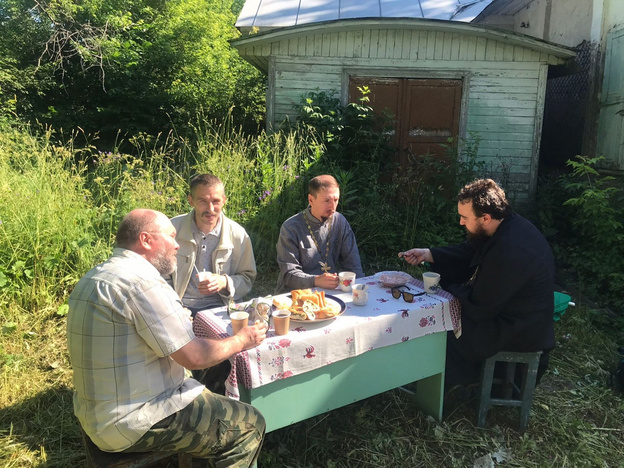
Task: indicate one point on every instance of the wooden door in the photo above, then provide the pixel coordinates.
(610, 142)
(426, 111)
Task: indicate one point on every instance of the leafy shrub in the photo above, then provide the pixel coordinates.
(584, 211)
(390, 208)
(125, 67)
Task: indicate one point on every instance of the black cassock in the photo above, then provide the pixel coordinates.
(506, 292)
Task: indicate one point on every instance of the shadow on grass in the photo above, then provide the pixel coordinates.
(46, 429)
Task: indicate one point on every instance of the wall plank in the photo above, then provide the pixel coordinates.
(503, 100)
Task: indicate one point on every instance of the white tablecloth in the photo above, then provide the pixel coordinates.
(383, 321)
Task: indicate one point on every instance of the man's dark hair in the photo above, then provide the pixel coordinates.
(321, 182)
(486, 197)
(131, 226)
(209, 180)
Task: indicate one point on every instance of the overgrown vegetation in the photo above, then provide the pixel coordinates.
(118, 69)
(61, 206)
(583, 212)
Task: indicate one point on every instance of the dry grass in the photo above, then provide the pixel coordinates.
(576, 419)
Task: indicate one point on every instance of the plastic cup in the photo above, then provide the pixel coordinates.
(239, 321)
(431, 281)
(203, 275)
(281, 321)
(346, 279)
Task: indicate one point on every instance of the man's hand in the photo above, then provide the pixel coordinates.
(417, 256)
(252, 335)
(326, 281)
(212, 285)
(201, 353)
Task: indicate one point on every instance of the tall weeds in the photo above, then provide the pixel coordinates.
(60, 208)
(583, 211)
(46, 241)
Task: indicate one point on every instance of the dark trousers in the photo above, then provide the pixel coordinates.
(214, 377)
(463, 369)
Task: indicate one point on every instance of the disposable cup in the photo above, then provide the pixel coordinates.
(239, 321)
(203, 275)
(281, 321)
(360, 294)
(431, 281)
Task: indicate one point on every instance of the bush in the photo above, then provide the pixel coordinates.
(390, 208)
(583, 212)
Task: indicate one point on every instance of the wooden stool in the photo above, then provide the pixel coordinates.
(97, 458)
(512, 395)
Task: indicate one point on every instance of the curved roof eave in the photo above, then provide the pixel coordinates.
(325, 27)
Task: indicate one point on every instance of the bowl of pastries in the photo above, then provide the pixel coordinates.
(306, 305)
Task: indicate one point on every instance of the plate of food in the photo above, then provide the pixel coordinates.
(306, 305)
(390, 279)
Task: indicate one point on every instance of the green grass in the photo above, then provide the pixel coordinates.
(576, 418)
(59, 208)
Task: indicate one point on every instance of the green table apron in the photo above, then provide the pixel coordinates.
(288, 401)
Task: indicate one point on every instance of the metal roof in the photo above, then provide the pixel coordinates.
(505, 7)
(260, 15)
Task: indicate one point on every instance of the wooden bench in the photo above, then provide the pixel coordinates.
(97, 458)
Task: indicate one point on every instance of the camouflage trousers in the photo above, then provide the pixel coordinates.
(226, 432)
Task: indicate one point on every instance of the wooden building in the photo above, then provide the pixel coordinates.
(441, 79)
(584, 110)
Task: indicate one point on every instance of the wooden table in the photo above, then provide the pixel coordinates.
(368, 350)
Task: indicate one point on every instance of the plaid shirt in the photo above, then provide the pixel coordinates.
(124, 321)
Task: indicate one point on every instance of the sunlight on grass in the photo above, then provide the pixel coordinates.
(59, 209)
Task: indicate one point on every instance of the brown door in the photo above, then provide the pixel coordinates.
(426, 111)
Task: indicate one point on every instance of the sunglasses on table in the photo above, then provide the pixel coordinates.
(408, 296)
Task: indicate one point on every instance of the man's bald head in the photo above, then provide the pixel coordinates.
(322, 182)
(150, 234)
(133, 224)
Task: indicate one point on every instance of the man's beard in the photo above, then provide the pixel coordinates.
(477, 239)
(165, 265)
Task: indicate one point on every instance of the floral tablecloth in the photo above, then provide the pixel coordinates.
(383, 321)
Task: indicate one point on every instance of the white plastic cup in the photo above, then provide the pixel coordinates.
(203, 275)
(360, 294)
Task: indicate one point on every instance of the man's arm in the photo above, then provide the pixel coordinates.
(500, 276)
(237, 271)
(201, 353)
(416, 256)
(453, 263)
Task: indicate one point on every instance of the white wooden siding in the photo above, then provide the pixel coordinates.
(400, 44)
(503, 100)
